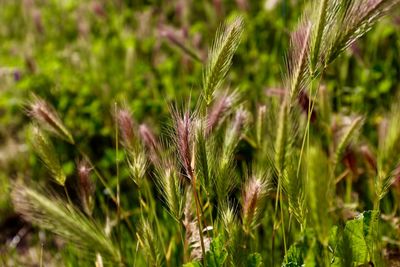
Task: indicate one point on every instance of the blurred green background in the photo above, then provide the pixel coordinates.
(85, 56)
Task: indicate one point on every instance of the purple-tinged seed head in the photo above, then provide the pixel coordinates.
(126, 125)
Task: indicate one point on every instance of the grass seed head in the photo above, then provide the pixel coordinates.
(126, 126)
(46, 116)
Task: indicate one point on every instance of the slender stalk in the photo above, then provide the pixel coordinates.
(184, 244)
(302, 63)
(153, 208)
(41, 256)
(283, 222)
(349, 181)
(273, 246)
(187, 50)
(118, 187)
(197, 202)
(67, 195)
(280, 161)
(319, 34)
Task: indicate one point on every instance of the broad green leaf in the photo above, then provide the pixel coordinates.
(359, 237)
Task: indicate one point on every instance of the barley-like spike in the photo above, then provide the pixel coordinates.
(46, 116)
(356, 18)
(126, 126)
(318, 33)
(149, 243)
(184, 137)
(148, 137)
(220, 57)
(86, 185)
(298, 65)
(64, 220)
(253, 196)
(219, 110)
(43, 146)
(168, 183)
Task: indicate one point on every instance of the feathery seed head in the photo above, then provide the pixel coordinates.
(253, 195)
(240, 120)
(84, 170)
(353, 20)
(64, 220)
(137, 162)
(44, 148)
(383, 130)
(126, 126)
(260, 123)
(46, 116)
(150, 142)
(219, 110)
(148, 137)
(234, 132)
(86, 185)
(298, 65)
(228, 217)
(149, 243)
(220, 57)
(168, 184)
(184, 140)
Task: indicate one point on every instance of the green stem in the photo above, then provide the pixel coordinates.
(184, 244)
(283, 222)
(318, 37)
(67, 195)
(154, 215)
(119, 234)
(349, 182)
(197, 202)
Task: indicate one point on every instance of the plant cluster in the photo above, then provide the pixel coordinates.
(239, 186)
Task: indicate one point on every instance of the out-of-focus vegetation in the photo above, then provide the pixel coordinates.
(87, 59)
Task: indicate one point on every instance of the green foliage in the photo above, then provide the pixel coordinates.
(357, 242)
(254, 260)
(271, 173)
(217, 254)
(303, 252)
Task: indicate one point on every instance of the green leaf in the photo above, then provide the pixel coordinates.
(359, 237)
(192, 264)
(295, 256)
(254, 260)
(298, 251)
(308, 251)
(217, 254)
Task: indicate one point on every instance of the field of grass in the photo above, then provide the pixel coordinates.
(200, 133)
